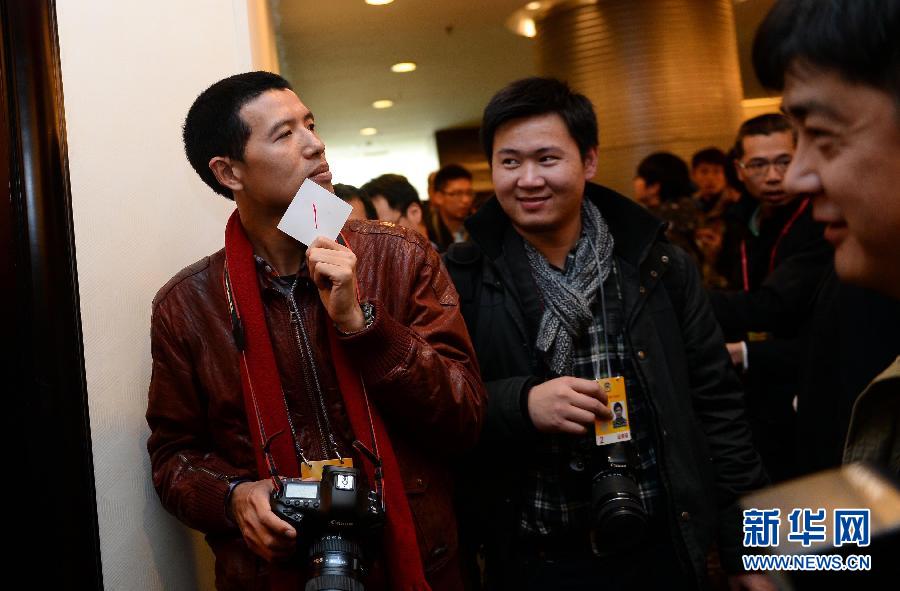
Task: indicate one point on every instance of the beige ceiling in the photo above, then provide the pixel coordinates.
(338, 53)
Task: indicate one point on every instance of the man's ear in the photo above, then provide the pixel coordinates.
(590, 163)
(739, 171)
(224, 170)
(414, 213)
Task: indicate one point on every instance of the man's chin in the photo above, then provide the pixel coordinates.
(778, 201)
(853, 267)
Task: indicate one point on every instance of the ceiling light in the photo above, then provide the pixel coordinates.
(383, 104)
(533, 5)
(528, 27)
(403, 67)
(368, 131)
(378, 2)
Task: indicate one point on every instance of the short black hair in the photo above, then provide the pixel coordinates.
(860, 39)
(766, 124)
(348, 193)
(396, 189)
(448, 173)
(670, 171)
(539, 96)
(710, 155)
(214, 127)
(617, 405)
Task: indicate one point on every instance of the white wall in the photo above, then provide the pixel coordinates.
(130, 71)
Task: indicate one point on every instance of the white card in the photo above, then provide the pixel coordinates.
(314, 212)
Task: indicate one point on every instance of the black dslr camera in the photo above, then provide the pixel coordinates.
(337, 514)
(617, 513)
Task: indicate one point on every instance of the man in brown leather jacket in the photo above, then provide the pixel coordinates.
(385, 294)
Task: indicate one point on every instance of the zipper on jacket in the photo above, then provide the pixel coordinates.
(207, 471)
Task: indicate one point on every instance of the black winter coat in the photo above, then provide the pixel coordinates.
(706, 459)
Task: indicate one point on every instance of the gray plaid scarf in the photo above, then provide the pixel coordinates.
(568, 296)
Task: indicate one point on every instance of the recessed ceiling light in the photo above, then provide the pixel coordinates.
(533, 5)
(403, 67)
(368, 131)
(378, 2)
(383, 104)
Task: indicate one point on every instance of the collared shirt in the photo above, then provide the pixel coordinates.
(557, 493)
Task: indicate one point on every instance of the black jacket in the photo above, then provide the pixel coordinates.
(783, 272)
(703, 441)
(784, 265)
(852, 335)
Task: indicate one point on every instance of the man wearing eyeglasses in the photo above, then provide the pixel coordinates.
(451, 205)
(781, 259)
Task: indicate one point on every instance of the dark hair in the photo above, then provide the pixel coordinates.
(396, 189)
(617, 405)
(670, 171)
(860, 39)
(539, 96)
(448, 173)
(731, 176)
(214, 127)
(348, 193)
(711, 155)
(761, 125)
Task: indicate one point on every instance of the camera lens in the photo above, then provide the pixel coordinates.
(619, 518)
(336, 565)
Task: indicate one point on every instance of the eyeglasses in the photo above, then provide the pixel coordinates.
(459, 193)
(760, 166)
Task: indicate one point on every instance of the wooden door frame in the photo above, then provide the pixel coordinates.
(49, 463)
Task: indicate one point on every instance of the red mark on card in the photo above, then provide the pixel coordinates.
(315, 217)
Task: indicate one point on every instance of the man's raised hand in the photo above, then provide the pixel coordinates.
(332, 267)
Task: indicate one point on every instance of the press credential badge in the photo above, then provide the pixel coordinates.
(618, 428)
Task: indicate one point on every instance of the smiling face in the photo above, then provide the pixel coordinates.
(758, 170)
(539, 177)
(282, 151)
(848, 159)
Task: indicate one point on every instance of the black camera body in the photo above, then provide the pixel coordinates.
(335, 515)
(619, 519)
(340, 501)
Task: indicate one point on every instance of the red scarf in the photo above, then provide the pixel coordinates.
(267, 415)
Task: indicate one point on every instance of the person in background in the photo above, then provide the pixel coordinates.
(714, 199)
(454, 194)
(396, 201)
(358, 200)
(663, 185)
(782, 259)
(708, 175)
